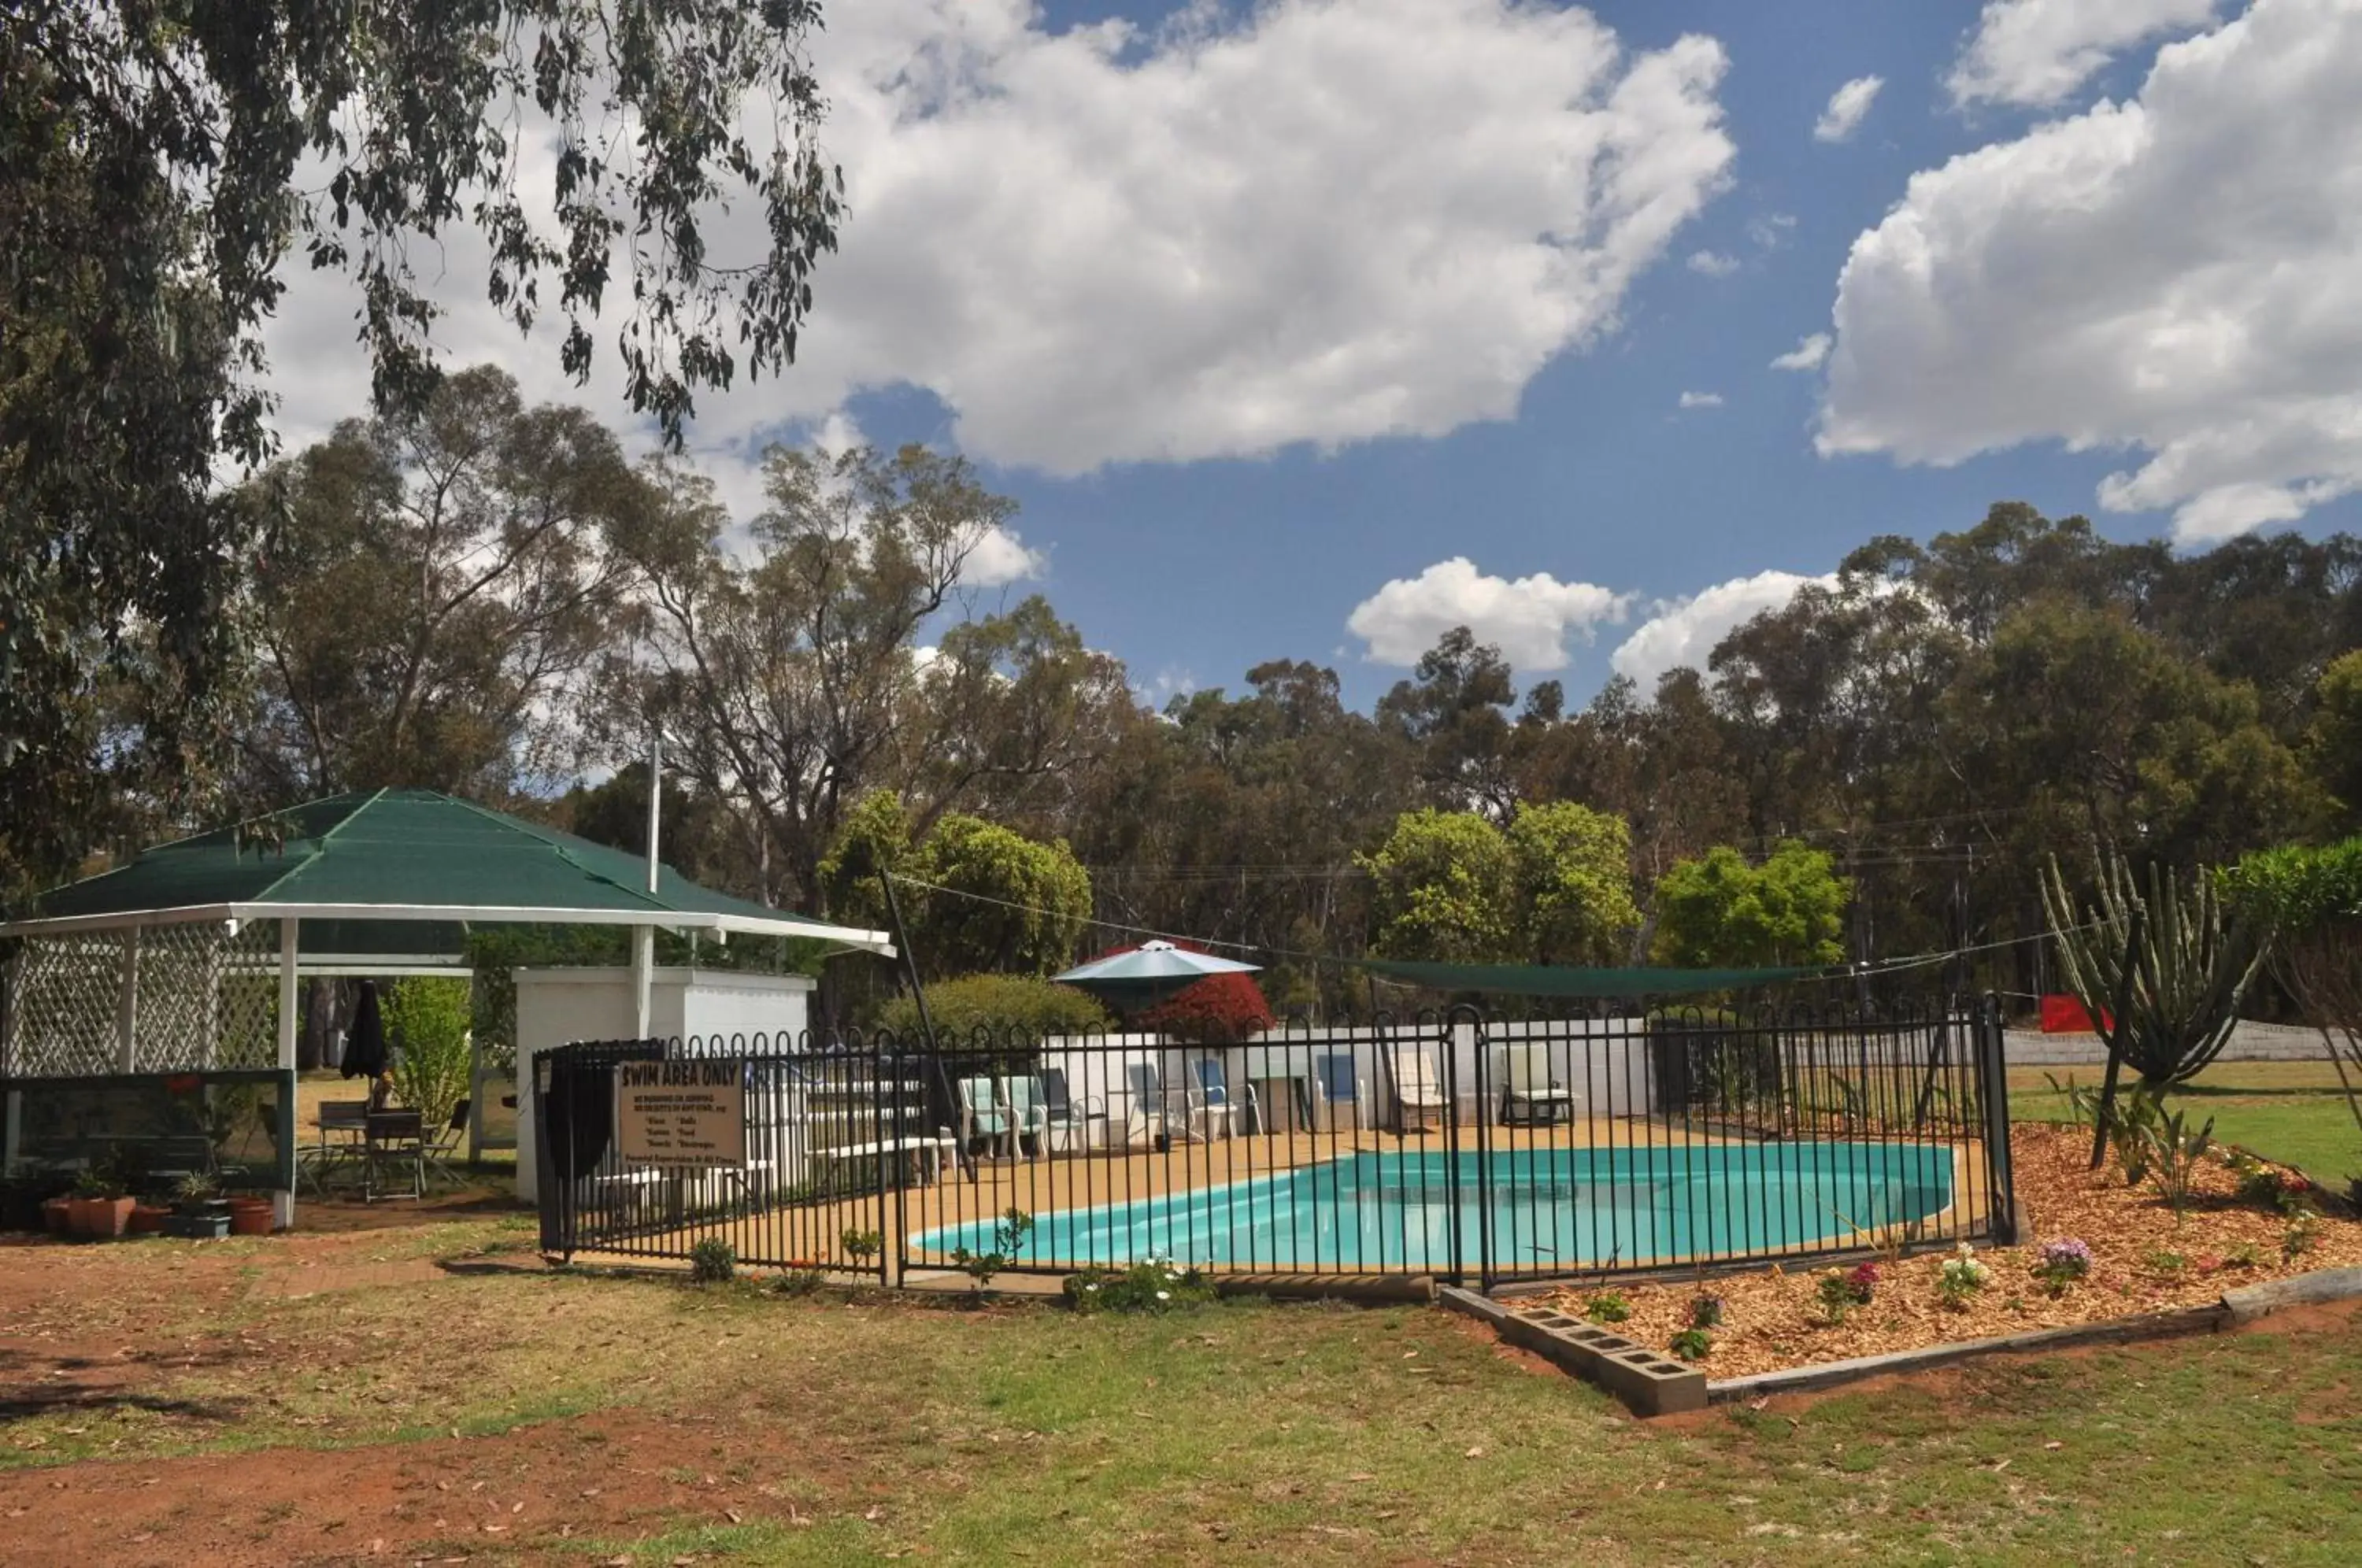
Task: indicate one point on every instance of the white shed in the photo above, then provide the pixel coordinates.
(556, 1006)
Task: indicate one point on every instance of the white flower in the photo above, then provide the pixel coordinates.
(1164, 1296)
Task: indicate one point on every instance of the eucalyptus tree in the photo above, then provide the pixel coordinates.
(436, 593)
(161, 166)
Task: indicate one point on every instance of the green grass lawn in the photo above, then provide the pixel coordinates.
(835, 1431)
(2291, 1111)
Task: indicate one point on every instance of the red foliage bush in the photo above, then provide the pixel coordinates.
(1220, 1010)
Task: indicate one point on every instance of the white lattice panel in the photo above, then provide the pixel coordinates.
(63, 1002)
(204, 998)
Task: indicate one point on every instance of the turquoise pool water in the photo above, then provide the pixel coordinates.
(1547, 1209)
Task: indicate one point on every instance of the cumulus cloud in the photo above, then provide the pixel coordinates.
(1809, 354)
(1529, 619)
(1322, 222)
(1713, 263)
(1845, 108)
(1701, 400)
(2178, 276)
(1001, 558)
(2036, 52)
(1684, 630)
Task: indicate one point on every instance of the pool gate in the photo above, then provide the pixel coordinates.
(1454, 1146)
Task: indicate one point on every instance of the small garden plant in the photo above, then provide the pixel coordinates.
(1692, 1344)
(1009, 1234)
(1705, 1312)
(2063, 1263)
(1152, 1286)
(2303, 1233)
(712, 1261)
(861, 1246)
(1841, 1292)
(800, 1282)
(2175, 1153)
(1607, 1307)
(1961, 1277)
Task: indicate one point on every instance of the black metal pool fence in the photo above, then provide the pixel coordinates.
(1457, 1146)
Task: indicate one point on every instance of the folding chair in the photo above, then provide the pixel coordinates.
(434, 1156)
(392, 1143)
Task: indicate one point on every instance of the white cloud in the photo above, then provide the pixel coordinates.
(1684, 630)
(1001, 558)
(1329, 221)
(1809, 354)
(1713, 263)
(2179, 277)
(1770, 231)
(2036, 52)
(1845, 108)
(1529, 619)
(1701, 400)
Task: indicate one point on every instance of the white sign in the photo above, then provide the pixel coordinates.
(687, 1113)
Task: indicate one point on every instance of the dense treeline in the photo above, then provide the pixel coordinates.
(491, 598)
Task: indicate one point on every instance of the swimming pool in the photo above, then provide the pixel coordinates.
(1533, 1209)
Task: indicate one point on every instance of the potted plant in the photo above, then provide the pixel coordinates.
(147, 1218)
(100, 1207)
(198, 1212)
(57, 1214)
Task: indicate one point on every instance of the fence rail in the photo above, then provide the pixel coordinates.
(1453, 1145)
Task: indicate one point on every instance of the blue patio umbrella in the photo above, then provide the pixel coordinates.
(1142, 975)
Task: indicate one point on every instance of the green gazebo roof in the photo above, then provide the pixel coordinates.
(411, 856)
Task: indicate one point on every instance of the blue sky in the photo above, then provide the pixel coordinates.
(1068, 249)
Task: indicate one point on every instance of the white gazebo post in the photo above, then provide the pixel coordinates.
(126, 1005)
(282, 1202)
(644, 937)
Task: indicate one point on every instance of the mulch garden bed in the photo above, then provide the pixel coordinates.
(2145, 1258)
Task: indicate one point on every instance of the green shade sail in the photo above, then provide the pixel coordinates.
(1552, 980)
(433, 863)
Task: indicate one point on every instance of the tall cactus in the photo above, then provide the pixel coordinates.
(2192, 965)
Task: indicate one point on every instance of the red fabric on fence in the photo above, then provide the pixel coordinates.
(2065, 1015)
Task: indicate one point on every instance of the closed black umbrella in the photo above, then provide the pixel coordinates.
(365, 1055)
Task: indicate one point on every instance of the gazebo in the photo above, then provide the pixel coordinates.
(181, 965)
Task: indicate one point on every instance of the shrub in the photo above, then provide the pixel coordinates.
(2061, 1262)
(712, 1261)
(1607, 1307)
(1692, 1344)
(427, 1019)
(994, 1005)
(1154, 1285)
(1705, 1312)
(800, 1282)
(861, 1245)
(1961, 1277)
(1220, 1010)
(1009, 1234)
(2286, 1193)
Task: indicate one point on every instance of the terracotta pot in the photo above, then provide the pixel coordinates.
(148, 1219)
(57, 1213)
(250, 1216)
(102, 1216)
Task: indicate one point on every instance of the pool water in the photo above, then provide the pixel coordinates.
(1533, 1209)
